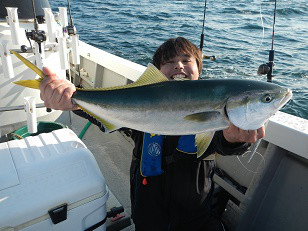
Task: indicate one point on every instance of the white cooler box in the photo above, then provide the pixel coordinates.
(51, 182)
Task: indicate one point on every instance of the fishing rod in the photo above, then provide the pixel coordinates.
(71, 29)
(202, 36)
(72, 32)
(36, 35)
(267, 69)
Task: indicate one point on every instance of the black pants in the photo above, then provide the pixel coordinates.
(179, 199)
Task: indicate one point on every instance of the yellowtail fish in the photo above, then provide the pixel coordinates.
(155, 105)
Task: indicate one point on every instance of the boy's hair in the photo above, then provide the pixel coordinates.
(173, 47)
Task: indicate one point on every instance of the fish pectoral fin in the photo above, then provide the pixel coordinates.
(202, 116)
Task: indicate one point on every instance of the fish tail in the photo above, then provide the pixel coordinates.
(32, 83)
(35, 83)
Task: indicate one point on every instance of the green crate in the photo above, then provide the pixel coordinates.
(42, 127)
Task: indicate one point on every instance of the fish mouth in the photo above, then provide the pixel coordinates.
(285, 99)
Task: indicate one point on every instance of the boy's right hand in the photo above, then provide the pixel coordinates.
(57, 93)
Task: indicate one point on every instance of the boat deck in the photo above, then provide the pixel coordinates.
(113, 153)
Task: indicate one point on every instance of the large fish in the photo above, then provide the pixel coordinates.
(155, 105)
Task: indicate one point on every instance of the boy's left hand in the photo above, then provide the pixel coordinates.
(234, 134)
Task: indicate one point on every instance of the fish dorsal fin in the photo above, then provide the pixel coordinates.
(150, 75)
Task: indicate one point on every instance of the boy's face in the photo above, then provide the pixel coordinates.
(180, 67)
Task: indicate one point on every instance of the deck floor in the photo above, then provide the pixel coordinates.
(113, 153)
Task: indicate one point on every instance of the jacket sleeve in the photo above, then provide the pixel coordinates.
(223, 147)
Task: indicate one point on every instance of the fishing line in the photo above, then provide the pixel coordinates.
(262, 24)
(253, 151)
(253, 154)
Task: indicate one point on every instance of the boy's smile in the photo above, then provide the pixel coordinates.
(180, 67)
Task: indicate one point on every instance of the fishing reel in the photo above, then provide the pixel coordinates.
(267, 69)
(263, 69)
(71, 30)
(38, 36)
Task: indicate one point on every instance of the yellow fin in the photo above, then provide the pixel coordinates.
(202, 116)
(34, 83)
(202, 141)
(150, 75)
(29, 64)
(107, 125)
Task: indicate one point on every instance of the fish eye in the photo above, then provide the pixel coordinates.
(267, 98)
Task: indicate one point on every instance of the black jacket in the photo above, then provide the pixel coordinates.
(181, 197)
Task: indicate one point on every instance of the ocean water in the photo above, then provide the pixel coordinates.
(237, 32)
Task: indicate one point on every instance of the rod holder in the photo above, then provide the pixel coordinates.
(6, 59)
(63, 53)
(75, 52)
(14, 24)
(51, 25)
(63, 17)
(39, 57)
(30, 108)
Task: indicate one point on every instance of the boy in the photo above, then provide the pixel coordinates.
(178, 195)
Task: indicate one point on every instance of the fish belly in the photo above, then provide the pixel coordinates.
(165, 122)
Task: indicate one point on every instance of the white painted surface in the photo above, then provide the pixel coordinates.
(114, 63)
(8, 174)
(52, 168)
(289, 132)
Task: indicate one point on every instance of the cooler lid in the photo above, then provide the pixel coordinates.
(49, 169)
(8, 174)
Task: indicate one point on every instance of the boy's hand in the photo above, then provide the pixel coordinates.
(234, 134)
(57, 93)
